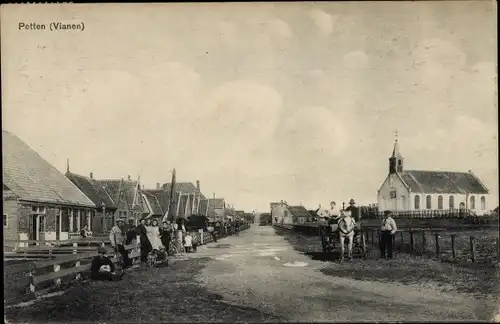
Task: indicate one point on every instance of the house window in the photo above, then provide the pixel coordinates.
(483, 203)
(440, 202)
(38, 209)
(417, 202)
(428, 202)
(472, 202)
(5, 220)
(286, 213)
(452, 202)
(65, 220)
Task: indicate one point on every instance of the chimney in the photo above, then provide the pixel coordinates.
(214, 195)
(470, 171)
(198, 185)
(157, 185)
(129, 178)
(91, 175)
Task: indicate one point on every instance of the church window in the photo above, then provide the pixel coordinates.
(452, 202)
(417, 202)
(428, 202)
(440, 202)
(399, 162)
(472, 202)
(483, 203)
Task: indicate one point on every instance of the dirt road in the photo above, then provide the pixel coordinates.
(259, 269)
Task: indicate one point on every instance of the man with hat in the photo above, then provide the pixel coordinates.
(102, 268)
(388, 228)
(130, 231)
(118, 242)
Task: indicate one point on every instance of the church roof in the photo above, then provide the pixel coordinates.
(395, 151)
(443, 182)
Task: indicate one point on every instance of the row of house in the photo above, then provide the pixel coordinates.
(41, 203)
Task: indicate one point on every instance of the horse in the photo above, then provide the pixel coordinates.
(346, 227)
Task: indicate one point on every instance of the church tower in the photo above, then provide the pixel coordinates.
(396, 160)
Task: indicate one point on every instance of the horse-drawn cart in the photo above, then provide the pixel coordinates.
(330, 239)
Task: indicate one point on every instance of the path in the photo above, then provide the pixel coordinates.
(261, 270)
(256, 276)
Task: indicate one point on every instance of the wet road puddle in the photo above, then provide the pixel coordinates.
(220, 246)
(296, 264)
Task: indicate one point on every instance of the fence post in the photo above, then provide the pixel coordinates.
(438, 254)
(412, 241)
(424, 242)
(453, 251)
(201, 237)
(75, 248)
(372, 241)
(401, 244)
(57, 281)
(473, 249)
(498, 249)
(77, 264)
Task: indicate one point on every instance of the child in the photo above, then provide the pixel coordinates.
(102, 268)
(195, 241)
(188, 243)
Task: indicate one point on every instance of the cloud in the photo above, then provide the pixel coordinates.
(314, 131)
(279, 28)
(323, 21)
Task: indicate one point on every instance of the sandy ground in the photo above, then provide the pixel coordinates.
(260, 269)
(259, 276)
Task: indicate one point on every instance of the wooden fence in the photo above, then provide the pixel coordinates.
(444, 246)
(34, 276)
(32, 279)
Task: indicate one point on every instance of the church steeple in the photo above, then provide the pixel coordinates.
(396, 160)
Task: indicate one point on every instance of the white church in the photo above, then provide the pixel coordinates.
(410, 190)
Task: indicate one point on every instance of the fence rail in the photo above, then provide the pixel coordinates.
(30, 280)
(47, 268)
(450, 247)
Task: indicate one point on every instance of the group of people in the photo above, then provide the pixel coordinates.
(344, 222)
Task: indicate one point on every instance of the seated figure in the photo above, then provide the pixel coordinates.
(102, 268)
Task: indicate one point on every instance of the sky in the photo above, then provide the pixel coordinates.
(260, 102)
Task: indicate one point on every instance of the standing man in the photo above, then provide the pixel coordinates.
(131, 232)
(118, 241)
(388, 229)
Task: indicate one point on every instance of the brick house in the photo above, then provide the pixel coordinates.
(104, 215)
(39, 202)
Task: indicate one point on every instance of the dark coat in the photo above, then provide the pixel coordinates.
(145, 244)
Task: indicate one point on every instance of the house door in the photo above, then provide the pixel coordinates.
(33, 227)
(58, 227)
(41, 228)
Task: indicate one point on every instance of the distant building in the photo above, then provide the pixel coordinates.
(285, 215)
(410, 190)
(39, 202)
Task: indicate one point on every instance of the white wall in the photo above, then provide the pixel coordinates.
(459, 198)
(385, 202)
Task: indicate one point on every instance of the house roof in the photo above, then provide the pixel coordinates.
(32, 178)
(92, 189)
(154, 202)
(162, 196)
(184, 187)
(299, 211)
(113, 186)
(443, 182)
